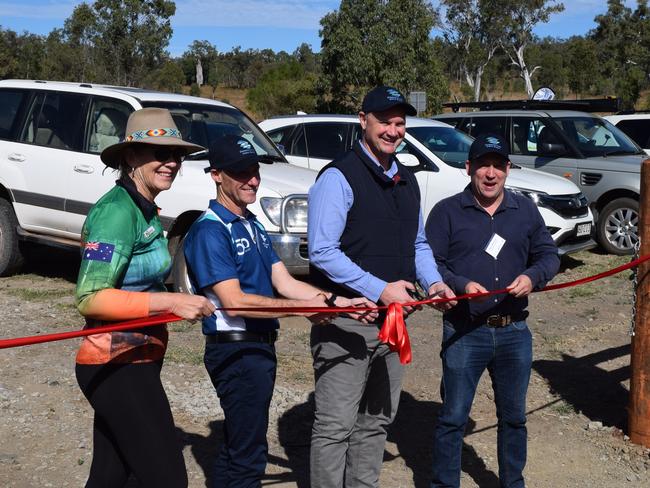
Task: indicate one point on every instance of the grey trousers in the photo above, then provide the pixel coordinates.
(358, 384)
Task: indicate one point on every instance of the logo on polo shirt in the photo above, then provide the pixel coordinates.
(265, 241)
(243, 245)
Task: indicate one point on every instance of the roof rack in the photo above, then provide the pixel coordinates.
(609, 104)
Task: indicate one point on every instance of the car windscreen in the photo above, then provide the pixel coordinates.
(448, 144)
(596, 137)
(202, 124)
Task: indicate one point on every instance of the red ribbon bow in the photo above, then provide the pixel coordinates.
(394, 333)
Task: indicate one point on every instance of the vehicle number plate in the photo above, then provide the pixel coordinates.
(583, 229)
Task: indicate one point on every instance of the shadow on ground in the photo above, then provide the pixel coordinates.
(412, 432)
(51, 262)
(589, 388)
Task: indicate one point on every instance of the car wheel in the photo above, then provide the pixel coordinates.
(179, 271)
(618, 226)
(11, 258)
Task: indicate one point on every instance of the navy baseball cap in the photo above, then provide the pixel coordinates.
(489, 144)
(382, 98)
(233, 153)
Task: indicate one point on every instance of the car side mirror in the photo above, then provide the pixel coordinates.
(408, 160)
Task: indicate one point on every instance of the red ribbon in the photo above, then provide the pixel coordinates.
(393, 332)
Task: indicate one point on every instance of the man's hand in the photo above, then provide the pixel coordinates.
(474, 287)
(441, 290)
(396, 292)
(521, 287)
(366, 316)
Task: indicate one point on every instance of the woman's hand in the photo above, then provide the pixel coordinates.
(191, 307)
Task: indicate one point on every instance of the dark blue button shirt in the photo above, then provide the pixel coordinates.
(459, 229)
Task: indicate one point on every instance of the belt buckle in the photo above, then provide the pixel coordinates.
(494, 321)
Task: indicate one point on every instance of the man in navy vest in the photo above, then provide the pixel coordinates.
(366, 239)
(232, 262)
(487, 238)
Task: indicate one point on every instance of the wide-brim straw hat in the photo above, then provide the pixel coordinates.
(153, 126)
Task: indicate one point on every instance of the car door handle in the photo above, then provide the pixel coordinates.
(19, 158)
(84, 168)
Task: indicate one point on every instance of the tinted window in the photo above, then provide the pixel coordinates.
(10, 102)
(326, 140)
(448, 144)
(596, 137)
(202, 124)
(56, 120)
(638, 130)
(485, 125)
(298, 144)
(529, 133)
(107, 124)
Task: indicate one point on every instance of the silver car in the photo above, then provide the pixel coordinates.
(582, 147)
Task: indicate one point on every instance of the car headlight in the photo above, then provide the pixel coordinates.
(535, 196)
(290, 212)
(296, 212)
(273, 209)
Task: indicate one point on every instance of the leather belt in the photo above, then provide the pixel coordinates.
(242, 336)
(501, 320)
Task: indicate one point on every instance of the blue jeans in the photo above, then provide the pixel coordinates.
(243, 374)
(466, 352)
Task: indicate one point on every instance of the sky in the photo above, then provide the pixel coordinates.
(259, 24)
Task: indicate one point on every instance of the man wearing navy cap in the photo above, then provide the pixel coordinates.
(232, 262)
(366, 239)
(487, 238)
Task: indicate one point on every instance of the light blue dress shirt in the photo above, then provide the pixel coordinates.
(330, 199)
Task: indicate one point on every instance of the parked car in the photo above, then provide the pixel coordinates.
(579, 146)
(51, 135)
(636, 125)
(436, 153)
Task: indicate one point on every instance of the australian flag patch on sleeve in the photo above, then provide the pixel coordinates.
(98, 251)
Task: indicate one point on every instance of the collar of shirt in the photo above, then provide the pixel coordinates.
(228, 216)
(148, 209)
(390, 172)
(467, 200)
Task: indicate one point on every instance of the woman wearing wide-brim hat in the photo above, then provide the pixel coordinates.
(124, 265)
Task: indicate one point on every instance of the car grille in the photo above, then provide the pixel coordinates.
(303, 249)
(568, 206)
(590, 179)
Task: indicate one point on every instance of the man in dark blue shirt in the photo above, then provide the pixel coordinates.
(487, 238)
(232, 262)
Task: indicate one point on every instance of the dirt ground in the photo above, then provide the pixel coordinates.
(577, 397)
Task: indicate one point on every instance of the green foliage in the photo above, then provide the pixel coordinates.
(131, 37)
(169, 77)
(372, 42)
(195, 91)
(284, 89)
(209, 56)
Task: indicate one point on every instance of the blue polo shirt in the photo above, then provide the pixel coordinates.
(459, 229)
(221, 245)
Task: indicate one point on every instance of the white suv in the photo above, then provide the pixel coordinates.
(51, 135)
(436, 153)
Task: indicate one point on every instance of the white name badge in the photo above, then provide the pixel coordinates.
(493, 247)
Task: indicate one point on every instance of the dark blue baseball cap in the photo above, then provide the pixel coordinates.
(382, 98)
(489, 144)
(233, 153)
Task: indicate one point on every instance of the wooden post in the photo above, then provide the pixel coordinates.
(639, 408)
